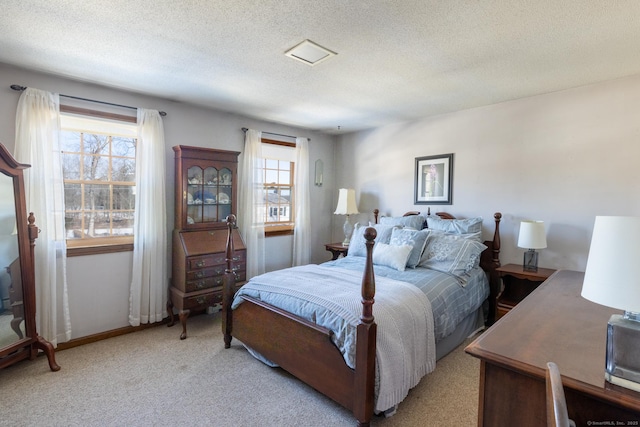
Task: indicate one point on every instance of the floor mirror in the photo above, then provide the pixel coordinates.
(18, 232)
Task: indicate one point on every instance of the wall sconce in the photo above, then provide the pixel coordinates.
(611, 279)
(319, 172)
(531, 237)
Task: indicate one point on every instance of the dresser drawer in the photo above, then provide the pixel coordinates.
(195, 300)
(241, 274)
(204, 261)
(218, 259)
(202, 300)
(204, 273)
(206, 283)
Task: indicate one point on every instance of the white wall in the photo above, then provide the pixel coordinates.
(99, 284)
(563, 158)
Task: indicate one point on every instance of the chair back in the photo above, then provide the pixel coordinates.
(557, 415)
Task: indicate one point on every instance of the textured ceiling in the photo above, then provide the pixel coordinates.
(397, 60)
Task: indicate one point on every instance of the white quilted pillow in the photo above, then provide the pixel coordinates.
(391, 256)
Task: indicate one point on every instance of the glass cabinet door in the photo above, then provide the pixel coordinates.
(224, 193)
(209, 194)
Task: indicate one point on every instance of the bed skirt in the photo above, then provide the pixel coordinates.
(471, 324)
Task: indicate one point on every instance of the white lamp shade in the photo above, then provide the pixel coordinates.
(532, 235)
(611, 276)
(346, 202)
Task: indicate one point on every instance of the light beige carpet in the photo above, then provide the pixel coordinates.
(152, 378)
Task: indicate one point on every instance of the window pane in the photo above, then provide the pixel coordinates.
(96, 197)
(123, 169)
(124, 197)
(121, 146)
(73, 225)
(122, 223)
(271, 176)
(98, 224)
(70, 141)
(284, 177)
(72, 197)
(96, 168)
(285, 192)
(71, 166)
(271, 164)
(95, 143)
(285, 166)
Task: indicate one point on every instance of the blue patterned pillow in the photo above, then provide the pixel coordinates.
(357, 245)
(477, 236)
(458, 226)
(391, 256)
(417, 239)
(452, 254)
(411, 221)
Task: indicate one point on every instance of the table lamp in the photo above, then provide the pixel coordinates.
(611, 279)
(347, 206)
(532, 237)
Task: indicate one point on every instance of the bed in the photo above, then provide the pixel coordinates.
(352, 362)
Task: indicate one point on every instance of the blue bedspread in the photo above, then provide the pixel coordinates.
(450, 301)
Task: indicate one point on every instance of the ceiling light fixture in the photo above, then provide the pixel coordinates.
(309, 52)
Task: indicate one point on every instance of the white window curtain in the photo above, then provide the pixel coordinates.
(301, 231)
(37, 144)
(250, 195)
(148, 296)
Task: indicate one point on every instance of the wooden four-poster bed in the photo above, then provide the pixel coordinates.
(308, 350)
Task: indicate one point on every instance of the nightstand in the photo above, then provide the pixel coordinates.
(336, 249)
(517, 284)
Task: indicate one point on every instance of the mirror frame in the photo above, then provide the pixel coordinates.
(27, 233)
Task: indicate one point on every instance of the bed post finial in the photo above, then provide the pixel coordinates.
(368, 280)
(496, 240)
(366, 341)
(376, 212)
(231, 224)
(228, 284)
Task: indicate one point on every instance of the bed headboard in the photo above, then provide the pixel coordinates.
(489, 259)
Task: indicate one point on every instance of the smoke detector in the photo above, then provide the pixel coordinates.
(309, 52)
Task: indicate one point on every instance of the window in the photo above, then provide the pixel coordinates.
(98, 167)
(278, 173)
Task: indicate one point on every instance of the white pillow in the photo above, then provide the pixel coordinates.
(391, 256)
(357, 245)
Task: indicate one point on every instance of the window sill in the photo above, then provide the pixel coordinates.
(97, 250)
(280, 231)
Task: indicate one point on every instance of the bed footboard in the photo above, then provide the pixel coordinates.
(303, 348)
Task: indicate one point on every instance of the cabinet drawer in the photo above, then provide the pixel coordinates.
(202, 301)
(207, 283)
(204, 273)
(197, 262)
(204, 261)
(241, 274)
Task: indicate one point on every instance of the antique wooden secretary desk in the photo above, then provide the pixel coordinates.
(205, 194)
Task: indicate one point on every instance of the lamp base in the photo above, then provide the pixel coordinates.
(623, 341)
(530, 262)
(347, 228)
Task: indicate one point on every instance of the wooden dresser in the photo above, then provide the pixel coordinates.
(206, 187)
(553, 324)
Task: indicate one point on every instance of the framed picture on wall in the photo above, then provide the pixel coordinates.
(434, 179)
